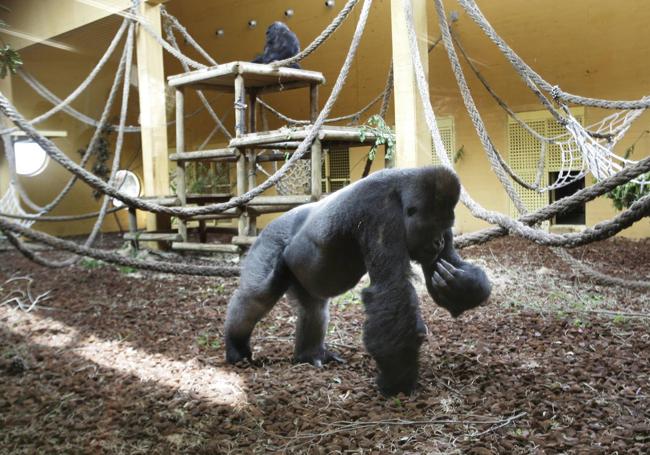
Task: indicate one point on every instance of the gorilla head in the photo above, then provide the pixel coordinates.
(281, 43)
(428, 203)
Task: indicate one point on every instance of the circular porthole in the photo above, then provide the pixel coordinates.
(31, 159)
(126, 182)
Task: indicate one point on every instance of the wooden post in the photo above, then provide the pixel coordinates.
(252, 157)
(181, 181)
(133, 227)
(413, 147)
(316, 177)
(6, 89)
(240, 129)
(153, 119)
(313, 102)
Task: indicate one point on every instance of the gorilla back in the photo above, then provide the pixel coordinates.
(319, 250)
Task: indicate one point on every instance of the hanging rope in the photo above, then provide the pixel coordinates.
(320, 39)
(173, 21)
(115, 258)
(204, 100)
(527, 73)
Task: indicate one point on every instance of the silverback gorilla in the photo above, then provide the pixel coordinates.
(281, 43)
(320, 250)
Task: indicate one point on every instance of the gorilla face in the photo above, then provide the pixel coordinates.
(428, 211)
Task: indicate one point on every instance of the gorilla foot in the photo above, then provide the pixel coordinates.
(236, 352)
(319, 359)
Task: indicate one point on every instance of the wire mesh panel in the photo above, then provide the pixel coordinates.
(336, 169)
(448, 135)
(525, 151)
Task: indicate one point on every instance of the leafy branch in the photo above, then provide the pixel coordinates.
(10, 59)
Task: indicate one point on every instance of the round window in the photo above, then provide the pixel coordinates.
(31, 159)
(126, 182)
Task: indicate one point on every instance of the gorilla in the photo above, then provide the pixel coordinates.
(281, 43)
(319, 250)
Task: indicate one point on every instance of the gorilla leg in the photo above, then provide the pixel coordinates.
(393, 333)
(265, 278)
(313, 318)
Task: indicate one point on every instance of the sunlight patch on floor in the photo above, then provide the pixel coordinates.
(206, 383)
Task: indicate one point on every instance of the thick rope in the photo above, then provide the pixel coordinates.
(204, 100)
(125, 65)
(87, 154)
(186, 36)
(562, 205)
(58, 218)
(526, 72)
(183, 212)
(636, 212)
(64, 104)
(320, 39)
(477, 121)
(144, 24)
(115, 258)
(599, 277)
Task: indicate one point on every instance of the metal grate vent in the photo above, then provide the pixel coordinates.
(448, 135)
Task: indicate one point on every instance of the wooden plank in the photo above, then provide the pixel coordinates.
(153, 236)
(257, 75)
(204, 155)
(281, 200)
(244, 240)
(181, 181)
(327, 134)
(316, 170)
(205, 247)
(413, 140)
(153, 119)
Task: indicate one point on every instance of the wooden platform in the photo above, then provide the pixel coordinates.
(259, 76)
(341, 135)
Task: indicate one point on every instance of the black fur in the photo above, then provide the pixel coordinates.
(281, 43)
(320, 250)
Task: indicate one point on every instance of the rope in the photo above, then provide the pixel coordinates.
(204, 100)
(57, 218)
(87, 154)
(625, 219)
(64, 104)
(125, 66)
(599, 277)
(320, 39)
(497, 164)
(52, 150)
(579, 197)
(527, 73)
(186, 36)
(165, 267)
(144, 24)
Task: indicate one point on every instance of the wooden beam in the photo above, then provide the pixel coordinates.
(153, 119)
(413, 147)
(6, 89)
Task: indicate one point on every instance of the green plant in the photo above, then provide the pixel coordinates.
(459, 154)
(625, 195)
(91, 263)
(127, 269)
(10, 59)
(384, 135)
(208, 341)
(102, 153)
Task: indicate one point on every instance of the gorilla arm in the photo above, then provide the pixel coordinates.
(455, 284)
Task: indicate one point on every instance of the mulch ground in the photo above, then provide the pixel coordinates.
(117, 361)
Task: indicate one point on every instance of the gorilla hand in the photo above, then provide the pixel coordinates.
(458, 288)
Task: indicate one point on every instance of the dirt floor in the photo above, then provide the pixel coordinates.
(118, 361)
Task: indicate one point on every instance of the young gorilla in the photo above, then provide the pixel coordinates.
(320, 250)
(281, 43)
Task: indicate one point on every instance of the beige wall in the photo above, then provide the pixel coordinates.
(593, 48)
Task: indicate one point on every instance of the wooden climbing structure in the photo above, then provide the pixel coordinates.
(246, 81)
